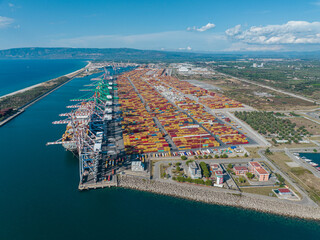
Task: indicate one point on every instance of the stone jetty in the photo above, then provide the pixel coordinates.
(221, 196)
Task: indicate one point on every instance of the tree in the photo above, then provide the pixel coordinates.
(242, 180)
(268, 152)
(246, 154)
(208, 183)
(250, 175)
(315, 150)
(184, 157)
(280, 179)
(205, 170)
(216, 156)
(230, 165)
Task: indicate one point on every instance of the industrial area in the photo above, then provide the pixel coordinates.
(140, 121)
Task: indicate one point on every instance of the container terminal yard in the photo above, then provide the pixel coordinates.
(137, 114)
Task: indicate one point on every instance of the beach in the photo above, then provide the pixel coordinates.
(69, 75)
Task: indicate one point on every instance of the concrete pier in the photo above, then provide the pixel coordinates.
(101, 184)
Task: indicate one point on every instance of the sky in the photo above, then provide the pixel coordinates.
(176, 25)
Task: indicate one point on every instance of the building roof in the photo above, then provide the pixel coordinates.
(193, 165)
(284, 190)
(240, 168)
(255, 164)
(261, 171)
(214, 166)
(218, 173)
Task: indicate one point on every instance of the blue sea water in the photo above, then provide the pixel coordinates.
(315, 157)
(19, 74)
(39, 197)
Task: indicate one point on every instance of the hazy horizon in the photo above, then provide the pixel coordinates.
(191, 26)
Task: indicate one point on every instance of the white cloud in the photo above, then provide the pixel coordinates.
(5, 21)
(201, 29)
(233, 31)
(11, 5)
(293, 32)
(187, 48)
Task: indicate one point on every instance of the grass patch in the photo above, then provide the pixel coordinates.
(299, 171)
(266, 191)
(302, 177)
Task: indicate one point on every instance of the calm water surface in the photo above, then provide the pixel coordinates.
(19, 74)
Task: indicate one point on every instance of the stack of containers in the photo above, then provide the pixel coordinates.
(181, 128)
(140, 133)
(210, 99)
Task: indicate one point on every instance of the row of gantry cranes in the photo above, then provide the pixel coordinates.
(87, 122)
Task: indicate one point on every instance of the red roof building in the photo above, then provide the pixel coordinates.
(258, 170)
(240, 170)
(283, 191)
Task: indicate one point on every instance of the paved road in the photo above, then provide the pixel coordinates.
(305, 198)
(252, 134)
(304, 201)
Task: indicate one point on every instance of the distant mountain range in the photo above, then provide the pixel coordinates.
(99, 53)
(129, 54)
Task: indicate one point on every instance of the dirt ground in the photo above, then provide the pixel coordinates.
(312, 127)
(303, 177)
(245, 93)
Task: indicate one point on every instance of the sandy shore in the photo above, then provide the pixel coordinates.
(69, 75)
(218, 196)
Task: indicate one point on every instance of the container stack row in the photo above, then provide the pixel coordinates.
(140, 133)
(225, 133)
(183, 130)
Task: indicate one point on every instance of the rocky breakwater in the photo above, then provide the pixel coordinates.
(221, 196)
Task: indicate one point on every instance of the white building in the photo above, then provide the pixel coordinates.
(137, 166)
(194, 170)
(183, 69)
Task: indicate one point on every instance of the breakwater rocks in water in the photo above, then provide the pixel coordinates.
(221, 197)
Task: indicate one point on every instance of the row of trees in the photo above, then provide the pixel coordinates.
(190, 180)
(267, 123)
(205, 170)
(210, 157)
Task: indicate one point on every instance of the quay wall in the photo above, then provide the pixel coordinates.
(220, 196)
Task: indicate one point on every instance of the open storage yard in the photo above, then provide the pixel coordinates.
(252, 95)
(163, 114)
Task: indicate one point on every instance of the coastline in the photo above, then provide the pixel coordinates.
(221, 197)
(69, 75)
(22, 108)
